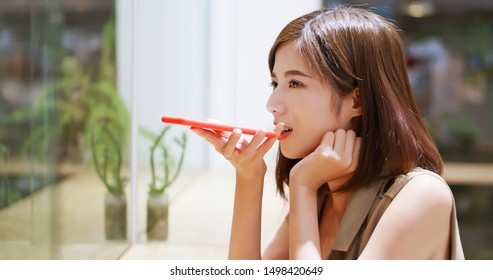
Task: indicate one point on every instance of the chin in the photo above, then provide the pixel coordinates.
(293, 154)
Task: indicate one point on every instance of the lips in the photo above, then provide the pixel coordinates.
(285, 133)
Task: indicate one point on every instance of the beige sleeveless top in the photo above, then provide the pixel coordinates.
(366, 206)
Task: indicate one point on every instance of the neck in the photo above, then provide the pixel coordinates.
(338, 202)
(336, 184)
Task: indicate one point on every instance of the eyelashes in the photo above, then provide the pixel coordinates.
(292, 84)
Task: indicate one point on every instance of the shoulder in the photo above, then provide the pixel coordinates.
(416, 224)
(427, 189)
(425, 195)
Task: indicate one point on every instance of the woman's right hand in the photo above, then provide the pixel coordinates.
(246, 157)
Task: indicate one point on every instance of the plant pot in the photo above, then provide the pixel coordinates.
(157, 217)
(115, 216)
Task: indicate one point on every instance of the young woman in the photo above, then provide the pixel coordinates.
(361, 170)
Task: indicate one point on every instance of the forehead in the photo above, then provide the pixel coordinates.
(288, 57)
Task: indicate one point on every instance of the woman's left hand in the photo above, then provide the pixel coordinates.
(334, 160)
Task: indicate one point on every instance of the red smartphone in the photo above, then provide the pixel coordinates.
(213, 126)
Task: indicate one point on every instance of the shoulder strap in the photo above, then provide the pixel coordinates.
(380, 209)
(456, 252)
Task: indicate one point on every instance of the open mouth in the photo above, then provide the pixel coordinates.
(285, 133)
(286, 130)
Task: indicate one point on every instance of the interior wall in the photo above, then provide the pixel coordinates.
(200, 59)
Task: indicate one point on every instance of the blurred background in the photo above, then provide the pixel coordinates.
(85, 159)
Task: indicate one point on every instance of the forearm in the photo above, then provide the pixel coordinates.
(246, 226)
(304, 239)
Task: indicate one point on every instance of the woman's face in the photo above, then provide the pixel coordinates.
(303, 103)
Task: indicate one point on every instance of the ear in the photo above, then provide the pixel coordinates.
(356, 100)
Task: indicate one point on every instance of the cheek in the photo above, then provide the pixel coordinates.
(314, 118)
(303, 143)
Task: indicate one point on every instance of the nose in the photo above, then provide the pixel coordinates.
(274, 104)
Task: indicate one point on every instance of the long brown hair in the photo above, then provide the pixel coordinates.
(355, 48)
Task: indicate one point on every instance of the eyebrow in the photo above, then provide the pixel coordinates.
(292, 73)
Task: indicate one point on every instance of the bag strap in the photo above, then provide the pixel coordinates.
(456, 252)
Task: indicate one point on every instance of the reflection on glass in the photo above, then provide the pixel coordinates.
(57, 93)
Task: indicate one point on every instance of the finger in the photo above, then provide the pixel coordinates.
(208, 135)
(217, 142)
(212, 137)
(223, 134)
(340, 141)
(349, 145)
(327, 143)
(328, 139)
(230, 146)
(256, 140)
(278, 129)
(267, 144)
(242, 143)
(356, 152)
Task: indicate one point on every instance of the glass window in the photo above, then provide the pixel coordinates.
(60, 110)
(71, 74)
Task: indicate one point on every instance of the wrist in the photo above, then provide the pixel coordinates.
(250, 181)
(300, 187)
(299, 183)
(252, 172)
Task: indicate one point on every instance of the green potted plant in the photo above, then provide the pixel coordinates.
(158, 200)
(107, 158)
(62, 102)
(74, 103)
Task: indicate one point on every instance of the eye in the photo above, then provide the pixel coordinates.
(294, 84)
(273, 84)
